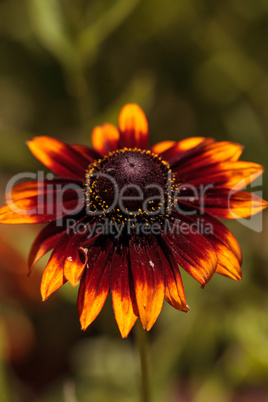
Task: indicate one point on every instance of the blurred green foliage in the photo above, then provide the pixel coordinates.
(198, 68)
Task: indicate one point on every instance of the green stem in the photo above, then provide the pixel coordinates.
(142, 347)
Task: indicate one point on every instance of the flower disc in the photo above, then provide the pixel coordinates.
(128, 183)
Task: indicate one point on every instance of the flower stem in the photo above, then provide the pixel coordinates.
(140, 335)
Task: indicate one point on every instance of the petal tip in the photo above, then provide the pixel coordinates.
(83, 327)
(124, 334)
(133, 127)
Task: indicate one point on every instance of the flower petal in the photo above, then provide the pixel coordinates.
(133, 127)
(59, 157)
(227, 204)
(41, 202)
(225, 174)
(192, 251)
(224, 243)
(228, 264)
(46, 240)
(122, 288)
(162, 146)
(105, 138)
(148, 281)
(95, 282)
(90, 154)
(199, 157)
(76, 253)
(174, 291)
(53, 277)
(187, 145)
(220, 233)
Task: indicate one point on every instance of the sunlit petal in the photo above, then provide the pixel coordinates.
(161, 147)
(192, 251)
(133, 127)
(53, 276)
(122, 288)
(95, 284)
(185, 147)
(59, 157)
(148, 282)
(105, 138)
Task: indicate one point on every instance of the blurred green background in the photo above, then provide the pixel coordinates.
(198, 68)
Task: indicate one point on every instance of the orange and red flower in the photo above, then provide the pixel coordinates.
(122, 217)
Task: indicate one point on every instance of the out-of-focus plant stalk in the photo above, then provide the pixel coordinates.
(142, 346)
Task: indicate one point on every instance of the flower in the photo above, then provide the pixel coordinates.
(123, 218)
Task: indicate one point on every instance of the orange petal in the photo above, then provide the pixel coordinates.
(228, 264)
(52, 280)
(228, 204)
(174, 291)
(94, 285)
(59, 157)
(226, 174)
(213, 153)
(105, 138)
(226, 246)
(10, 217)
(187, 145)
(244, 205)
(125, 309)
(24, 211)
(133, 127)
(162, 146)
(39, 201)
(76, 259)
(223, 242)
(53, 277)
(26, 190)
(220, 235)
(35, 188)
(87, 152)
(45, 206)
(44, 242)
(148, 282)
(192, 251)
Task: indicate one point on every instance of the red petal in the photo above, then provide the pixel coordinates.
(34, 188)
(90, 154)
(105, 138)
(228, 264)
(148, 281)
(174, 292)
(44, 242)
(133, 127)
(226, 174)
(76, 258)
(227, 204)
(202, 156)
(187, 145)
(223, 235)
(41, 202)
(59, 157)
(122, 288)
(162, 146)
(94, 285)
(53, 277)
(224, 243)
(192, 251)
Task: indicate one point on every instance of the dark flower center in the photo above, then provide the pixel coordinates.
(127, 184)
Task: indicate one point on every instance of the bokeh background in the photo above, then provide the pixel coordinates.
(198, 68)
